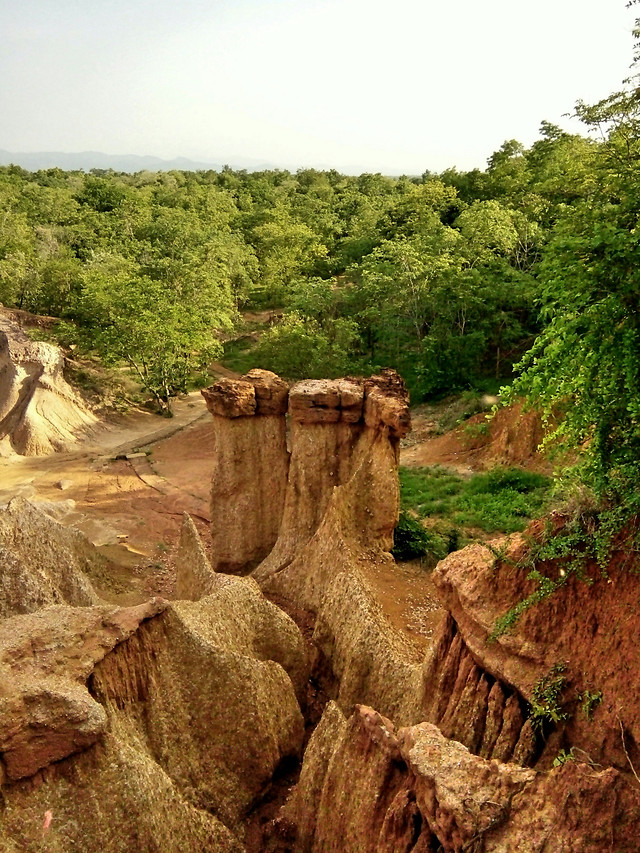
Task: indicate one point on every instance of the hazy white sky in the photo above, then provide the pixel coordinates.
(396, 86)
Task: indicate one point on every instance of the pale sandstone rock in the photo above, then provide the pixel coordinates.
(328, 575)
(372, 661)
(191, 690)
(386, 404)
(272, 392)
(342, 476)
(230, 398)
(195, 577)
(113, 798)
(301, 809)
(43, 563)
(46, 712)
(260, 499)
(326, 401)
(250, 468)
(191, 711)
(158, 715)
(236, 608)
(39, 412)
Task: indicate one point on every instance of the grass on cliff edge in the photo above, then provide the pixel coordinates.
(460, 509)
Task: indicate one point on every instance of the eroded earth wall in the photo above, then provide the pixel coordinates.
(39, 412)
(250, 468)
(440, 741)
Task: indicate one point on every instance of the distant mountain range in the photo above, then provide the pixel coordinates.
(87, 160)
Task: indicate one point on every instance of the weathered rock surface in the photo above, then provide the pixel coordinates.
(251, 466)
(470, 706)
(190, 703)
(419, 791)
(342, 480)
(590, 628)
(152, 728)
(195, 577)
(46, 711)
(43, 563)
(340, 510)
(370, 660)
(195, 689)
(39, 412)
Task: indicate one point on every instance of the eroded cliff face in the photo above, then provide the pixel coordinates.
(367, 786)
(589, 626)
(455, 762)
(162, 726)
(251, 466)
(153, 727)
(39, 412)
(340, 507)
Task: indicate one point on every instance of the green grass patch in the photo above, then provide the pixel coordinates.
(503, 500)
(239, 355)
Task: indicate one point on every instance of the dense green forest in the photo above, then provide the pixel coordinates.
(437, 276)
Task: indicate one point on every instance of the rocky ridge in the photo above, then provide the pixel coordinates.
(142, 728)
(461, 704)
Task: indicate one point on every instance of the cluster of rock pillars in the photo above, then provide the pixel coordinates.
(164, 725)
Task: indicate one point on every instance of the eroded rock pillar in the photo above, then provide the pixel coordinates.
(251, 467)
(344, 465)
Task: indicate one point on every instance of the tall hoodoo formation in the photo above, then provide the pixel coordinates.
(337, 428)
(340, 509)
(39, 412)
(251, 466)
(269, 502)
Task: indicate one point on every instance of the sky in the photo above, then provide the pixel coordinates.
(398, 86)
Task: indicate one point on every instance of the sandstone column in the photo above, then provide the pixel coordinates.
(344, 460)
(251, 468)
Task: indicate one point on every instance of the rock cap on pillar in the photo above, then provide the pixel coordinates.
(272, 392)
(387, 403)
(230, 398)
(327, 401)
(259, 392)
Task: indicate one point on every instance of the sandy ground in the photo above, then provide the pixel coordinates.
(125, 506)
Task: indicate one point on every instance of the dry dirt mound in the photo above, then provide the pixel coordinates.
(39, 412)
(510, 437)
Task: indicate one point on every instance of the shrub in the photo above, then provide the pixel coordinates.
(411, 540)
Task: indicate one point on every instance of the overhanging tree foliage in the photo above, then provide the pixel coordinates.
(585, 365)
